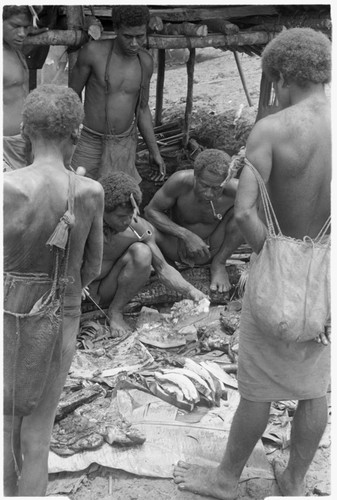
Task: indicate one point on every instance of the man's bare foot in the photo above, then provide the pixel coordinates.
(205, 481)
(220, 280)
(287, 486)
(118, 327)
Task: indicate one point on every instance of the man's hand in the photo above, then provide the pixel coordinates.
(85, 292)
(197, 295)
(324, 337)
(193, 248)
(157, 162)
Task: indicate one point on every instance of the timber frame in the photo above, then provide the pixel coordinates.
(238, 28)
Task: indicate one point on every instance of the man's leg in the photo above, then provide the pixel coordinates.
(127, 276)
(11, 454)
(225, 239)
(308, 426)
(249, 423)
(37, 428)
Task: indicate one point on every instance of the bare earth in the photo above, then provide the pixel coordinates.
(217, 87)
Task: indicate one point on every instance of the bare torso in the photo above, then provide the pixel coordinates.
(195, 214)
(299, 184)
(15, 89)
(34, 201)
(124, 79)
(116, 244)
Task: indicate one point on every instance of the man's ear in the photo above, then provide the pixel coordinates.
(23, 133)
(283, 81)
(76, 134)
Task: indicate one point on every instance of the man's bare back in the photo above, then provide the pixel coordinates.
(35, 199)
(298, 184)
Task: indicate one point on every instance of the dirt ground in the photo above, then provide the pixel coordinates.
(217, 88)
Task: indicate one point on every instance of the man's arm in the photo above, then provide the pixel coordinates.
(163, 200)
(259, 153)
(93, 251)
(190, 244)
(81, 71)
(145, 124)
(169, 275)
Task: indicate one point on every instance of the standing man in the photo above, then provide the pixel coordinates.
(35, 215)
(193, 213)
(291, 150)
(130, 250)
(16, 21)
(116, 76)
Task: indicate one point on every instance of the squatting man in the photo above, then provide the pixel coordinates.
(130, 252)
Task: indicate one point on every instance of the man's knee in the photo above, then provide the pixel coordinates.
(141, 255)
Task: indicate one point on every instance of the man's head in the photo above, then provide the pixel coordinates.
(52, 112)
(16, 19)
(130, 24)
(298, 55)
(118, 207)
(210, 170)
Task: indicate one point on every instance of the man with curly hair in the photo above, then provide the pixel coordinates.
(130, 250)
(201, 228)
(291, 150)
(116, 75)
(42, 240)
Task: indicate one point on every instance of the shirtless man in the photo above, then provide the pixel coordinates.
(116, 75)
(16, 21)
(35, 198)
(292, 152)
(202, 228)
(129, 252)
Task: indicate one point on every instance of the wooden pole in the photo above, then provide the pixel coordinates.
(66, 37)
(242, 76)
(189, 99)
(160, 86)
(32, 79)
(75, 19)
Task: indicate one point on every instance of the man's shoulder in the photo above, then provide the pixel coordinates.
(182, 178)
(146, 59)
(95, 48)
(88, 186)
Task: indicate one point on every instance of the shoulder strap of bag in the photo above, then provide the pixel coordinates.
(271, 219)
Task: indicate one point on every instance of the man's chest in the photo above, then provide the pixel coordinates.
(15, 71)
(115, 75)
(189, 210)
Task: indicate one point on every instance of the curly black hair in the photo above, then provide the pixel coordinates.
(118, 187)
(130, 15)
(302, 55)
(52, 111)
(215, 161)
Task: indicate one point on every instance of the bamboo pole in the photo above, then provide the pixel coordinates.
(242, 76)
(160, 86)
(189, 99)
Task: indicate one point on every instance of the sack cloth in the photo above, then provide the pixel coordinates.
(33, 313)
(288, 287)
